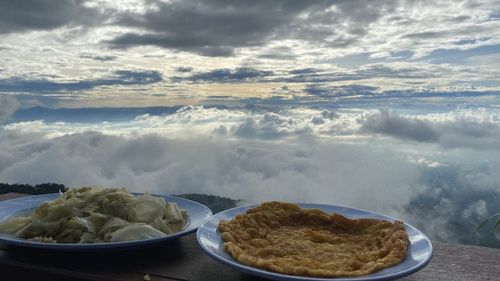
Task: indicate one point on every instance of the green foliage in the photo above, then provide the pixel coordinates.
(489, 219)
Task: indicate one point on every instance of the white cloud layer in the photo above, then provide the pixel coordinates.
(476, 128)
(310, 171)
(357, 158)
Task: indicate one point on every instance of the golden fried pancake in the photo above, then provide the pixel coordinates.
(285, 238)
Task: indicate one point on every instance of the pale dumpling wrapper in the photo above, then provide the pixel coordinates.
(136, 231)
(147, 208)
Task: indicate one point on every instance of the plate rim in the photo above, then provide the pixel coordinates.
(11, 240)
(280, 276)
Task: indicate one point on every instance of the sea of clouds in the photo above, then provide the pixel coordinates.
(436, 171)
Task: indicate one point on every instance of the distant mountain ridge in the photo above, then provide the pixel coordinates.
(88, 114)
(108, 114)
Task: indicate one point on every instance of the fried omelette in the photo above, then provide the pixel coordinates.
(285, 238)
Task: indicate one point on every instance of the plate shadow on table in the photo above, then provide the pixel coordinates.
(180, 259)
(170, 250)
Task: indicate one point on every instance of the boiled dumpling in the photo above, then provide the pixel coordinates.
(111, 226)
(115, 203)
(136, 231)
(161, 225)
(173, 213)
(147, 208)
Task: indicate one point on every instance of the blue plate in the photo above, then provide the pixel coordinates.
(197, 215)
(419, 253)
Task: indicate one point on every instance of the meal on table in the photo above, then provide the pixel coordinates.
(284, 238)
(98, 215)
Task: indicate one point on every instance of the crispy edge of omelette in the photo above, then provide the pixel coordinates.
(270, 215)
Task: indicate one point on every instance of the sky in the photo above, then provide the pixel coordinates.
(165, 53)
(391, 106)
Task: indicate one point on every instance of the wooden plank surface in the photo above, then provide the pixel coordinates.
(183, 260)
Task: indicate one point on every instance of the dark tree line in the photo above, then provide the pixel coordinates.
(214, 202)
(32, 189)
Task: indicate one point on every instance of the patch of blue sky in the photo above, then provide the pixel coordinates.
(458, 56)
(402, 55)
(494, 16)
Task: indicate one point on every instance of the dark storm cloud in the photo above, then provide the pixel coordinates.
(218, 27)
(121, 77)
(359, 95)
(459, 18)
(210, 28)
(184, 69)
(97, 58)
(311, 75)
(221, 75)
(278, 56)
(303, 70)
(304, 75)
(426, 35)
(278, 53)
(400, 127)
(326, 26)
(337, 91)
(25, 15)
(462, 132)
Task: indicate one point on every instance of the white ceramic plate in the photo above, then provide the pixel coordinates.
(197, 214)
(418, 255)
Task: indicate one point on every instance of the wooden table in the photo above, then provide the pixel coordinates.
(183, 260)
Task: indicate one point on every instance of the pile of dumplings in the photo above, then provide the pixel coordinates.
(98, 215)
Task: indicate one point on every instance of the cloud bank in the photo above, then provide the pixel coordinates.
(120, 77)
(22, 16)
(367, 159)
(480, 131)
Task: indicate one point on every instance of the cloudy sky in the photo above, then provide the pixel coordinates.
(149, 53)
(390, 106)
